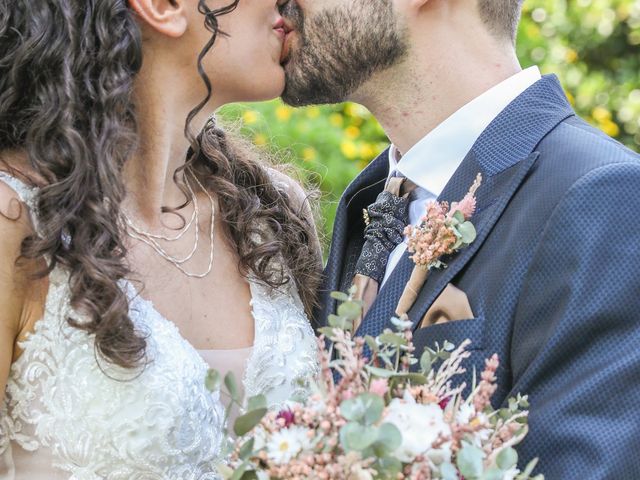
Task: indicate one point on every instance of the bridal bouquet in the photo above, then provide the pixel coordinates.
(380, 419)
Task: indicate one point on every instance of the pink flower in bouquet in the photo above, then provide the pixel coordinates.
(379, 386)
(288, 417)
(467, 207)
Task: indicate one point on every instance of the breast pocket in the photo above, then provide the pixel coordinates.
(455, 332)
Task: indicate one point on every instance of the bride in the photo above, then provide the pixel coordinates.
(134, 254)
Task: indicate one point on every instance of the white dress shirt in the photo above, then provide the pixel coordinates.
(432, 161)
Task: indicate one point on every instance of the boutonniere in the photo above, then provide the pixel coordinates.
(444, 230)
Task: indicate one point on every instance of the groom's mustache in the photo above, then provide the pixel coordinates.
(292, 13)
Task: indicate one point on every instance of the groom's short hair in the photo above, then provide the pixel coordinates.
(501, 16)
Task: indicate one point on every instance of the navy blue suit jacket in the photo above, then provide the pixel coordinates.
(553, 280)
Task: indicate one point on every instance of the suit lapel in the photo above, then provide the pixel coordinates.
(500, 189)
(504, 154)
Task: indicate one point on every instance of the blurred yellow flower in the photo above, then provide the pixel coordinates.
(309, 154)
(367, 151)
(355, 110)
(283, 113)
(610, 128)
(571, 55)
(250, 117)
(532, 31)
(349, 149)
(336, 119)
(260, 139)
(601, 114)
(313, 112)
(352, 132)
(570, 97)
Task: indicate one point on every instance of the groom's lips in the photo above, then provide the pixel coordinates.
(289, 30)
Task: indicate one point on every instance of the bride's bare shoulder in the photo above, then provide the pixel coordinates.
(14, 227)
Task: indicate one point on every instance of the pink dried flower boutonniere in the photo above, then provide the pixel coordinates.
(444, 230)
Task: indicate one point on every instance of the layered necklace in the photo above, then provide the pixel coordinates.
(153, 240)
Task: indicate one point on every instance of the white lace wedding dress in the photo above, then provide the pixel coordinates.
(68, 415)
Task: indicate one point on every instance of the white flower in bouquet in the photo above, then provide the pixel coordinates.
(465, 413)
(285, 444)
(359, 473)
(421, 425)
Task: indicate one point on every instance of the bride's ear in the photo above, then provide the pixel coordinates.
(168, 17)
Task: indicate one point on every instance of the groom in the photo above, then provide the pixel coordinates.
(552, 281)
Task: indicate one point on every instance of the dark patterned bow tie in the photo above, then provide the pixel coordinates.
(386, 220)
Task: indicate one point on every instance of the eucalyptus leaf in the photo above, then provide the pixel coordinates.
(468, 232)
(526, 473)
(366, 408)
(414, 379)
(232, 386)
(247, 449)
(390, 466)
(426, 361)
(247, 422)
(349, 310)
(326, 331)
(249, 475)
(354, 436)
(352, 409)
(239, 472)
(469, 461)
(336, 321)
(458, 215)
(213, 380)
(379, 372)
(389, 435)
(224, 470)
(507, 459)
(448, 472)
(371, 343)
(493, 474)
(392, 339)
(343, 324)
(374, 405)
(257, 402)
(339, 296)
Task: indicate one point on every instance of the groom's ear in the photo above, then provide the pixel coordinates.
(167, 17)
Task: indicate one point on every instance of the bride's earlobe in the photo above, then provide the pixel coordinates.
(167, 17)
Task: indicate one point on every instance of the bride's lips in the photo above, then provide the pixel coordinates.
(287, 30)
(279, 28)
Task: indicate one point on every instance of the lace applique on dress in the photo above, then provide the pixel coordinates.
(284, 357)
(101, 421)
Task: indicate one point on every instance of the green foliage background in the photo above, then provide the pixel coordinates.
(592, 45)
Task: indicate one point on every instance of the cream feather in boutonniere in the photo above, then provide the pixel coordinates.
(444, 230)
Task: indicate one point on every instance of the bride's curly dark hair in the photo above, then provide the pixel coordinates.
(67, 69)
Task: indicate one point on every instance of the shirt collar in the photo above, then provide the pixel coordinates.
(432, 161)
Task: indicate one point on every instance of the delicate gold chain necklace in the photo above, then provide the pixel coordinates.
(152, 240)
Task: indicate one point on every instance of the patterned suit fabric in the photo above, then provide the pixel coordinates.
(553, 279)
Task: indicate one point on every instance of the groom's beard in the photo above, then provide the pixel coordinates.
(339, 49)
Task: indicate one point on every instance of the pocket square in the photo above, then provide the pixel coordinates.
(450, 306)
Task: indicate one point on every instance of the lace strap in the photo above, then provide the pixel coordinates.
(25, 193)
